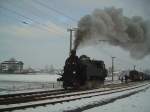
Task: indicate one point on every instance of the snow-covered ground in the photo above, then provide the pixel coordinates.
(40, 77)
(139, 102)
(18, 83)
(11, 83)
(24, 83)
(132, 103)
(108, 80)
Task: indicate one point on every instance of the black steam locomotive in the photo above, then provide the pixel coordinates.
(83, 72)
(135, 75)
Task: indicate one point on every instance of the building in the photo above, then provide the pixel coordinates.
(11, 66)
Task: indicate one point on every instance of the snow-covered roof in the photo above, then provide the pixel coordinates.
(12, 62)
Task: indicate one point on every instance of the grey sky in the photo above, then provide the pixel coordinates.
(37, 35)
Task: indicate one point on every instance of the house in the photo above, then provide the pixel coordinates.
(11, 66)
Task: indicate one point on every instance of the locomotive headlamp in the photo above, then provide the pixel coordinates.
(74, 72)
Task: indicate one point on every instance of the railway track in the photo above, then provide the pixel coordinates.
(31, 96)
(41, 95)
(59, 96)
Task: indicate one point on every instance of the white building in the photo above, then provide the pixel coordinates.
(11, 66)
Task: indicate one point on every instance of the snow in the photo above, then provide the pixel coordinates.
(136, 103)
(26, 83)
(18, 83)
(80, 104)
(43, 77)
(108, 80)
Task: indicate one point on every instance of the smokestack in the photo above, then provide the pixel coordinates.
(131, 34)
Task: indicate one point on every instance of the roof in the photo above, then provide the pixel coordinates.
(12, 62)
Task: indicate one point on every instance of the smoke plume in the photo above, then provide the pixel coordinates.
(132, 34)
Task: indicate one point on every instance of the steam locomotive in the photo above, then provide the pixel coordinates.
(134, 75)
(83, 72)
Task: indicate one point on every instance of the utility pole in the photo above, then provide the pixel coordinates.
(71, 32)
(134, 67)
(113, 67)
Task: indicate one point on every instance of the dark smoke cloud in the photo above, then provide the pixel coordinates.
(132, 34)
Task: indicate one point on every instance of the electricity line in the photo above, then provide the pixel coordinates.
(40, 17)
(32, 20)
(55, 10)
(22, 21)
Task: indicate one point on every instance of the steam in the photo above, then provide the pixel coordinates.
(132, 34)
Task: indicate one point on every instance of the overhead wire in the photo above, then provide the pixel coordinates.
(49, 29)
(32, 5)
(21, 21)
(46, 26)
(55, 10)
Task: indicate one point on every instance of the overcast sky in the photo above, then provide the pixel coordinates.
(35, 31)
